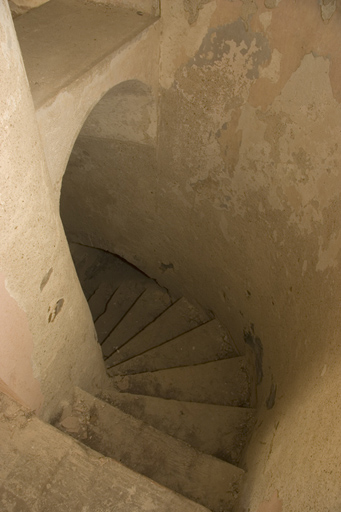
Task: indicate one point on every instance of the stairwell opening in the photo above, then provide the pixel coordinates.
(106, 187)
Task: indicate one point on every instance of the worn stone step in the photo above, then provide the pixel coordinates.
(42, 469)
(97, 268)
(222, 382)
(217, 430)
(119, 304)
(168, 461)
(150, 304)
(99, 299)
(208, 342)
(89, 263)
(177, 319)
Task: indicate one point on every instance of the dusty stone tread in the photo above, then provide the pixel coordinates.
(180, 317)
(222, 382)
(42, 469)
(208, 342)
(119, 304)
(168, 461)
(151, 304)
(217, 430)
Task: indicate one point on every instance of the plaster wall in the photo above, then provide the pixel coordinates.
(48, 343)
(237, 205)
(19, 7)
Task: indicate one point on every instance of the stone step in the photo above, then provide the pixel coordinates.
(89, 263)
(168, 461)
(150, 305)
(119, 304)
(177, 319)
(217, 430)
(99, 299)
(42, 469)
(208, 342)
(96, 268)
(222, 382)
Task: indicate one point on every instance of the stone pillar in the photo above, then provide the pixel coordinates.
(47, 336)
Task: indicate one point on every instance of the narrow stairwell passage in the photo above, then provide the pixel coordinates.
(178, 409)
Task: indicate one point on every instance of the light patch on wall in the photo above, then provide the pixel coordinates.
(274, 505)
(265, 19)
(273, 70)
(329, 256)
(328, 7)
(292, 146)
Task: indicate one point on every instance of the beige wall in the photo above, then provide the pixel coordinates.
(48, 341)
(241, 199)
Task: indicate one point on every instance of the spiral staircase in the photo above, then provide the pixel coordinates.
(166, 434)
(178, 409)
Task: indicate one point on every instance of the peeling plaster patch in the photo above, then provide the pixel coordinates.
(193, 7)
(206, 98)
(249, 8)
(182, 42)
(272, 71)
(328, 7)
(235, 47)
(293, 147)
(329, 257)
(271, 4)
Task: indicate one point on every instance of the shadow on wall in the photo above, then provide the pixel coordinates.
(108, 183)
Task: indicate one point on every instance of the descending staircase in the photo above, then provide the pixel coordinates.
(179, 409)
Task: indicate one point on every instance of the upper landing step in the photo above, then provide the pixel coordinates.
(63, 39)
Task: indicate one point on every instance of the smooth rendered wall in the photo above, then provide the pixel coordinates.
(48, 343)
(239, 208)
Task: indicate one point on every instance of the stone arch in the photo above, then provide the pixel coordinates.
(111, 170)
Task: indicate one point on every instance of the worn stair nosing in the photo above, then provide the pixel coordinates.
(137, 333)
(158, 346)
